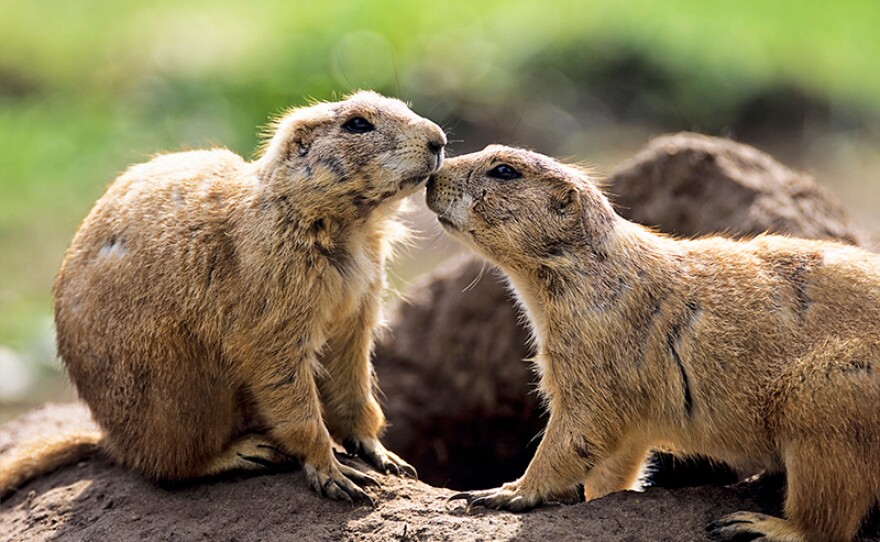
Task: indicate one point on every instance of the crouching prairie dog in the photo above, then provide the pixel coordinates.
(764, 354)
(218, 314)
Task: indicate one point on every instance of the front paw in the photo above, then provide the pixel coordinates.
(508, 497)
(514, 498)
(372, 451)
(340, 482)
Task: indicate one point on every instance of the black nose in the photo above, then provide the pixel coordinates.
(436, 145)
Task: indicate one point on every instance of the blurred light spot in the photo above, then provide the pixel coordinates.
(17, 375)
(194, 42)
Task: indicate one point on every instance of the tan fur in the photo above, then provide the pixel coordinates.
(26, 462)
(212, 310)
(764, 354)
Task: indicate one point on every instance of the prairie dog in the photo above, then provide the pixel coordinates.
(218, 314)
(764, 354)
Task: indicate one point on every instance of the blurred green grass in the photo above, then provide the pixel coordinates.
(90, 86)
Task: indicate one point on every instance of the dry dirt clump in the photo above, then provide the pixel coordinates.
(693, 185)
(459, 401)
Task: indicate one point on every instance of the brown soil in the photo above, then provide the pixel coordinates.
(459, 402)
(96, 500)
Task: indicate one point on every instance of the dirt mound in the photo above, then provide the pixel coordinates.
(691, 185)
(96, 500)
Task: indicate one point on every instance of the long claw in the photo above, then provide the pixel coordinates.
(331, 489)
(409, 471)
(339, 483)
(361, 496)
(258, 460)
(463, 495)
(372, 451)
(745, 526)
(277, 451)
(507, 497)
(358, 477)
(352, 492)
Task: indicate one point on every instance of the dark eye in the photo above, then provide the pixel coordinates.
(358, 125)
(504, 172)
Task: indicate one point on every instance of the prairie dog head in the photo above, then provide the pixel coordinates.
(365, 150)
(518, 207)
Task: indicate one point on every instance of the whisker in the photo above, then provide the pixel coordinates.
(477, 279)
(342, 71)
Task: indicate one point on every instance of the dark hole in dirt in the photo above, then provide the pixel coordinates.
(470, 447)
(667, 470)
(475, 453)
(483, 454)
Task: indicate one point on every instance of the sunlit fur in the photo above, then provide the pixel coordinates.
(764, 354)
(211, 308)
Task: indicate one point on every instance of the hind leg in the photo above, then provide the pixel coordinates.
(830, 490)
(755, 526)
(823, 412)
(169, 423)
(255, 452)
(826, 499)
(249, 452)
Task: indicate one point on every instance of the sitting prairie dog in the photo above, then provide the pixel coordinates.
(763, 354)
(217, 314)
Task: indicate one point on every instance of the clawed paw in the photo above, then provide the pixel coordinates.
(372, 451)
(500, 498)
(745, 526)
(341, 483)
(513, 498)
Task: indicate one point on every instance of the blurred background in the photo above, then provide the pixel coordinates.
(88, 87)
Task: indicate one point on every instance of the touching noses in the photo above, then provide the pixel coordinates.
(436, 142)
(435, 145)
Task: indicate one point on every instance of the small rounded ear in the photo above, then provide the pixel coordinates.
(302, 135)
(301, 140)
(294, 134)
(567, 201)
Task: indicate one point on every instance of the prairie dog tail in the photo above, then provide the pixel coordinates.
(43, 455)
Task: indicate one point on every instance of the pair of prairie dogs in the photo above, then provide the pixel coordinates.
(217, 314)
